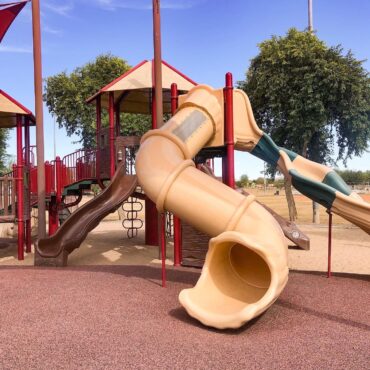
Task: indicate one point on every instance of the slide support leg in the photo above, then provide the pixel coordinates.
(329, 242)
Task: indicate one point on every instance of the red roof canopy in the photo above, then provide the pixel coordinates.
(8, 12)
(133, 89)
(10, 108)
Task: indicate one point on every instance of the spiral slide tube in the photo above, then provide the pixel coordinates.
(246, 265)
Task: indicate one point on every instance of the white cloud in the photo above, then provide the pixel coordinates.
(14, 49)
(52, 31)
(147, 4)
(63, 9)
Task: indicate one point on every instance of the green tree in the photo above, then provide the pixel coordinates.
(243, 182)
(354, 177)
(259, 181)
(310, 97)
(65, 96)
(3, 154)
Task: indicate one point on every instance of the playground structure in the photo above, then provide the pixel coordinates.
(246, 268)
(246, 265)
(114, 158)
(16, 197)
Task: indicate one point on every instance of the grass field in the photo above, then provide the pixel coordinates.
(304, 206)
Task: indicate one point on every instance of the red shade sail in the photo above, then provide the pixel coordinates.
(8, 13)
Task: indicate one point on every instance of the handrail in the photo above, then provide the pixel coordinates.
(32, 158)
(70, 162)
(59, 173)
(7, 196)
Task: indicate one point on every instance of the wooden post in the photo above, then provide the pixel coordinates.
(39, 118)
(157, 62)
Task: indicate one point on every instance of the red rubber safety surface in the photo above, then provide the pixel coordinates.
(118, 317)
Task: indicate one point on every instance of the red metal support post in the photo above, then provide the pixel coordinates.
(111, 134)
(118, 119)
(53, 213)
(229, 130)
(28, 166)
(56, 200)
(154, 112)
(53, 216)
(151, 214)
(20, 189)
(176, 221)
(48, 176)
(58, 178)
(329, 242)
(224, 170)
(163, 248)
(98, 144)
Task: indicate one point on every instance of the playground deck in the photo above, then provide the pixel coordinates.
(119, 317)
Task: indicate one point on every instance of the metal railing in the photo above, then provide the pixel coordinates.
(59, 173)
(78, 166)
(8, 196)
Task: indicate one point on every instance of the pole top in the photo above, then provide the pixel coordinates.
(229, 79)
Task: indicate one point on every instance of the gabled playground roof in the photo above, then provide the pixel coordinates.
(10, 108)
(133, 90)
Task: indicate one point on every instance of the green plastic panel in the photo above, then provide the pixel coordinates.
(74, 189)
(335, 181)
(266, 150)
(317, 191)
(292, 156)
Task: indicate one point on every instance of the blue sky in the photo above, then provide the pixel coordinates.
(202, 38)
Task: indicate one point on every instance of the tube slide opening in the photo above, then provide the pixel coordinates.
(235, 279)
(250, 267)
(239, 277)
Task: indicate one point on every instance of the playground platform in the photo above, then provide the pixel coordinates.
(120, 317)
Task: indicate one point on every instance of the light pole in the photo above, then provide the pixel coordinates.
(310, 22)
(36, 30)
(157, 62)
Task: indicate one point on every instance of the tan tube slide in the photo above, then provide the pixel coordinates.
(246, 265)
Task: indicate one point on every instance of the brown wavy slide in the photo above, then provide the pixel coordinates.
(55, 249)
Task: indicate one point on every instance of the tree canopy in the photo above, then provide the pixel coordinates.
(309, 96)
(243, 182)
(3, 154)
(355, 177)
(65, 96)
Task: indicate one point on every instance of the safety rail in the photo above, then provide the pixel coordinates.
(78, 166)
(86, 166)
(8, 196)
(59, 173)
(32, 155)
